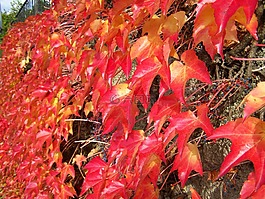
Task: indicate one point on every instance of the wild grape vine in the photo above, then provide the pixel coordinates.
(76, 77)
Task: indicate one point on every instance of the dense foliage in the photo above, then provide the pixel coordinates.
(95, 63)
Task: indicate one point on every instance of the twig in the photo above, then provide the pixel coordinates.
(258, 69)
(260, 45)
(248, 59)
(213, 97)
(223, 98)
(196, 91)
(71, 159)
(166, 177)
(91, 141)
(82, 120)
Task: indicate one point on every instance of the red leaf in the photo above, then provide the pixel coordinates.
(31, 187)
(194, 194)
(67, 191)
(145, 73)
(181, 73)
(251, 25)
(225, 9)
(147, 190)
(151, 145)
(249, 186)
(151, 5)
(95, 165)
(254, 100)
(95, 174)
(114, 190)
(247, 144)
(119, 107)
(249, 190)
(205, 30)
(58, 40)
(151, 168)
(125, 150)
(67, 170)
(173, 25)
(186, 162)
(259, 193)
(164, 5)
(43, 134)
(168, 25)
(184, 124)
(164, 107)
(141, 49)
(119, 6)
(40, 92)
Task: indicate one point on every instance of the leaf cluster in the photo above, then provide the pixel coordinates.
(65, 66)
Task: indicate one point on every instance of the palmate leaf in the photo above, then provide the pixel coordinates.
(144, 75)
(150, 170)
(152, 52)
(118, 107)
(125, 151)
(96, 175)
(186, 162)
(225, 9)
(164, 107)
(114, 190)
(249, 188)
(91, 41)
(79, 159)
(139, 159)
(184, 124)
(254, 100)
(213, 16)
(181, 73)
(164, 5)
(248, 143)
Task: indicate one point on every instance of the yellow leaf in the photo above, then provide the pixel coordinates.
(240, 17)
(88, 107)
(174, 23)
(153, 26)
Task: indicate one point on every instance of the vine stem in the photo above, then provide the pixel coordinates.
(260, 45)
(223, 98)
(166, 177)
(91, 141)
(248, 59)
(81, 120)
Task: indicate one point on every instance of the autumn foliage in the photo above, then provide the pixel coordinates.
(67, 65)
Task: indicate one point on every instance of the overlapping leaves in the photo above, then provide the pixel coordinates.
(50, 73)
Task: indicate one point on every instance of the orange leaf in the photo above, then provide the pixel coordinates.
(213, 17)
(79, 159)
(141, 48)
(173, 25)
